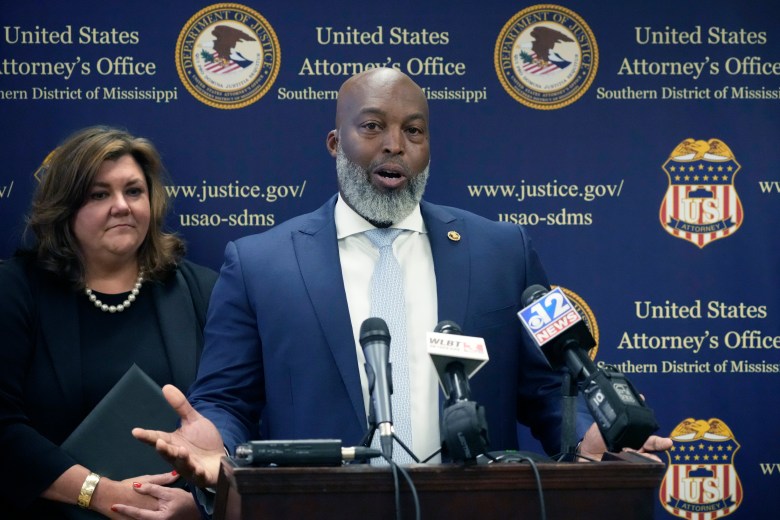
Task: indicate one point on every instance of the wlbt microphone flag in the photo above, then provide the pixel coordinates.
(447, 344)
(463, 426)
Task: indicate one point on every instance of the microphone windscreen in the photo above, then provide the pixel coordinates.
(448, 327)
(374, 329)
(533, 293)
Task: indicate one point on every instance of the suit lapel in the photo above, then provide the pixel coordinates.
(450, 249)
(316, 249)
(176, 318)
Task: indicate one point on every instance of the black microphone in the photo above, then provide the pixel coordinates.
(573, 330)
(315, 452)
(453, 377)
(464, 431)
(375, 340)
(563, 337)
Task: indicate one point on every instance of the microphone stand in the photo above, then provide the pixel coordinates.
(372, 427)
(569, 393)
(369, 436)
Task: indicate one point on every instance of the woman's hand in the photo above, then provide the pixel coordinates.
(172, 503)
(109, 492)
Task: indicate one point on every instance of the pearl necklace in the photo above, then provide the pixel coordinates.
(122, 306)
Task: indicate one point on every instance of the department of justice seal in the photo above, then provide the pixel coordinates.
(227, 56)
(546, 57)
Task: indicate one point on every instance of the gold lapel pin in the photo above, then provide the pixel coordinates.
(454, 236)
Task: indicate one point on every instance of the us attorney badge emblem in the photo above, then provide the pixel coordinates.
(227, 56)
(546, 57)
(701, 481)
(701, 203)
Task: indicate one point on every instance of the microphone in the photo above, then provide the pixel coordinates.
(463, 425)
(456, 358)
(558, 329)
(375, 340)
(318, 452)
(547, 315)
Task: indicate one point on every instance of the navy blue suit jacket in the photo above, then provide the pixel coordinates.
(279, 348)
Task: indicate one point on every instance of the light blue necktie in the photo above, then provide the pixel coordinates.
(387, 302)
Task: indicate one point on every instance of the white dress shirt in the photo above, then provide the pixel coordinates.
(413, 252)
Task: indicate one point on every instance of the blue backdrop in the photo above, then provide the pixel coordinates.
(636, 141)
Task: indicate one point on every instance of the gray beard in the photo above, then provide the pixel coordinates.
(375, 206)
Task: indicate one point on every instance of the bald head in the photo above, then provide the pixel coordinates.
(377, 84)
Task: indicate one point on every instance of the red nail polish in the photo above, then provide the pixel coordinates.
(114, 509)
(174, 473)
(136, 484)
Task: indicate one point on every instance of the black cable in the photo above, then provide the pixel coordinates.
(413, 489)
(542, 509)
(518, 457)
(396, 488)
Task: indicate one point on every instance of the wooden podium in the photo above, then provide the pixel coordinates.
(598, 490)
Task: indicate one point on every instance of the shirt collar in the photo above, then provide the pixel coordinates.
(348, 222)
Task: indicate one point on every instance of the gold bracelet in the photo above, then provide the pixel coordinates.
(87, 488)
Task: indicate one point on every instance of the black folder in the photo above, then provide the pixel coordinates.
(103, 442)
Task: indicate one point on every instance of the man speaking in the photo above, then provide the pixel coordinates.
(282, 358)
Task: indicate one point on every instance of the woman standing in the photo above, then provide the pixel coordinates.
(102, 288)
